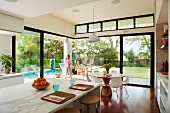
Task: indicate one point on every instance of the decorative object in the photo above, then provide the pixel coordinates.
(164, 40)
(93, 37)
(107, 67)
(40, 84)
(57, 75)
(7, 62)
(164, 68)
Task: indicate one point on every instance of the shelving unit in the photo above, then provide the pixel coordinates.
(162, 92)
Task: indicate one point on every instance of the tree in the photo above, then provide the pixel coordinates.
(130, 55)
(143, 42)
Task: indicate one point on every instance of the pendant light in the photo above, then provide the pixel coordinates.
(93, 37)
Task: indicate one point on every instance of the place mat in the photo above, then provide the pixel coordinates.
(82, 87)
(58, 97)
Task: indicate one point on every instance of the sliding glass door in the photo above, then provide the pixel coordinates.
(28, 54)
(137, 59)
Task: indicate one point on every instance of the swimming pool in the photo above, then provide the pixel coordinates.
(32, 74)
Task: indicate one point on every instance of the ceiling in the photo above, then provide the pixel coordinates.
(63, 9)
(34, 8)
(104, 10)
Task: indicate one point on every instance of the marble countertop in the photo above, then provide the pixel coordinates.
(25, 99)
(2, 75)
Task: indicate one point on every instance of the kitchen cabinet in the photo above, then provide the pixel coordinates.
(162, 92)
(11, 79)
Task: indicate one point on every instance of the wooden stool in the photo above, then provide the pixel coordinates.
(89, 100)
(68, 110)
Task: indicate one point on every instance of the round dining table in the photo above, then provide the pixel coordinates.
(106, 89)
(106, 78)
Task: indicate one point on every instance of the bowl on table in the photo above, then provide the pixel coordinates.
(40, 84)
(40, 87)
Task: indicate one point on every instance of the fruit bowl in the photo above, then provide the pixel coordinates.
(40, 84)
(40, 87)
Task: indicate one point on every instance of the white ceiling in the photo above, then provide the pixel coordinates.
(63, 9)
(34, 8)
(105, 10)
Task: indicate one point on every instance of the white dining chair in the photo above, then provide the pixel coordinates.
(94, 77)
(125, 82)
(113, 71)
(116, 83)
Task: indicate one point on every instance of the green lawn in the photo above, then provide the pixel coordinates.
(137, 72)
(133, 72)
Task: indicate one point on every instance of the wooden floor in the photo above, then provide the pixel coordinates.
(140, 100)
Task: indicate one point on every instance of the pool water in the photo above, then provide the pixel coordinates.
(32, 74)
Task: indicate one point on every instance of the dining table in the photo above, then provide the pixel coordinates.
(106, 89)
(107, 77)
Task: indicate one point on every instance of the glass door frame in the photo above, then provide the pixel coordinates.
(152, 70)
(41, 46)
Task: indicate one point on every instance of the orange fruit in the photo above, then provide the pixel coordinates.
(43, 79)
(36, 84)
(47, 83)
(42, 83)
(35, 81)
(39, 80)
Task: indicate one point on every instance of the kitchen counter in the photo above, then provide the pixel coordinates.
(7, 80)
(3, 75)
(25, 99)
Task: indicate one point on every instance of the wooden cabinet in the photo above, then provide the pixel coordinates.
(7, 81)
(162, 92)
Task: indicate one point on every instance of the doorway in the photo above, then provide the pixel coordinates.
(137, 58)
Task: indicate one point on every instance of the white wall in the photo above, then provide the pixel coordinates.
(52, 24)
(158, 9)
(5, 45)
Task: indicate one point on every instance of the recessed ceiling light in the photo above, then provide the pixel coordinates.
(115, 1)
(75, 10)
(11, 0)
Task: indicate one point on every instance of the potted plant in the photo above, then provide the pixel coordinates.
(107, 67)
(7, 62)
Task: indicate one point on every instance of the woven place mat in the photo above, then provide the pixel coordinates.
(82, 87)
(58, 97)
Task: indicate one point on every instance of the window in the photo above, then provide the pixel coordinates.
(144, 21)
(116, 24)
(28, 54)
(81, 29)
(123, 24)
(97, 27)
(109, 25)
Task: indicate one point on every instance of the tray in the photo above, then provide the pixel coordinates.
(82, 87)
(58, 97)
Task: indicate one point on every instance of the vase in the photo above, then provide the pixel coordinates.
(7, 70)
(107, 71)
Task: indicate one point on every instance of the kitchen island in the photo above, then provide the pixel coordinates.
(25, 99)
(11, 79)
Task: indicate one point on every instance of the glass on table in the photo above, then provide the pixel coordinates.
(72, 82)
(56, 87)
